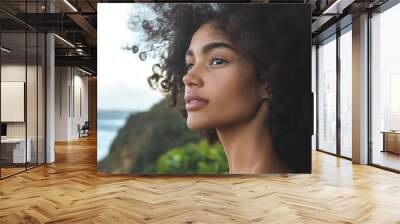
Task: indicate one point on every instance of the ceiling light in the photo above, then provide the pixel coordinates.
(79, 51)
(86, 72)
(5, 50)
(64, 40)
(70, 5)
(337, 7)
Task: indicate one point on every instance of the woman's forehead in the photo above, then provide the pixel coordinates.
(207, 33)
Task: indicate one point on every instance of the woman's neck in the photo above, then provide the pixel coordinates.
(249, 149)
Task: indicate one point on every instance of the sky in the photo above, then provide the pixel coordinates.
(122, 76)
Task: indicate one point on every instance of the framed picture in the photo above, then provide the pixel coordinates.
(206, 88)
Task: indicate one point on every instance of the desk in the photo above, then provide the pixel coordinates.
(391, 141)
(17, 150)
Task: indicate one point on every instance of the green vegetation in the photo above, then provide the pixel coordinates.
(147, 136)
(194, 158)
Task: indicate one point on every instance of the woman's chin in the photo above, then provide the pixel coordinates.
(196, 125)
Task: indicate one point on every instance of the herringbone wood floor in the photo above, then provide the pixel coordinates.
(70, 191)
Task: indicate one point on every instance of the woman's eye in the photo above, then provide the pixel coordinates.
(189, 66)
(218, 61)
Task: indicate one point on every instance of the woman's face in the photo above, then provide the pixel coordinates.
(221, 88)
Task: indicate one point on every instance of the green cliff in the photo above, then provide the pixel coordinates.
(144, 138)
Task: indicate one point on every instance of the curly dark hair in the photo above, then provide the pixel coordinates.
(276, 37)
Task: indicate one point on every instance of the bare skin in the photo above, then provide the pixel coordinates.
(249, 148)
(223, 93)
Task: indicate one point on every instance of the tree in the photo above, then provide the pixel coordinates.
(194, 158)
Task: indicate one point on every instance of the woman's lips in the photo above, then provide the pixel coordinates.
(195, 105)
(194, 102)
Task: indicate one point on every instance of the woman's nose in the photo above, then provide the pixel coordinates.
(192, 77)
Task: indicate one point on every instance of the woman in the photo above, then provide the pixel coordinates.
(242, 76)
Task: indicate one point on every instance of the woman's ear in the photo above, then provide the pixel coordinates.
(267, 94)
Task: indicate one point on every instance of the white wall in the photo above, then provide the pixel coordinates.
(62, 81)
(71, 93)
(33, 127)
(15, 72)
(81, 101)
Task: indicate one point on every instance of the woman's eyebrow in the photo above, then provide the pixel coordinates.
(210, 47)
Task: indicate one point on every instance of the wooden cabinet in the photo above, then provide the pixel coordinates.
(391, 142)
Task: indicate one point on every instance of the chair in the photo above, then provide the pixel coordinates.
(84, 130)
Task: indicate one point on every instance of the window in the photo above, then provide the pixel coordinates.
(346, 93)
(327, 95)
(22, 65)
(385, 88)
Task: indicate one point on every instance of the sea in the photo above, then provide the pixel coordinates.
(108, 124)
